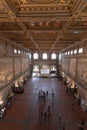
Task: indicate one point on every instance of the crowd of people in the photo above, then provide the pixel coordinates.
(45, 109)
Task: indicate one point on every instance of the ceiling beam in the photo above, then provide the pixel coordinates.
(8, 9)
(4, 37)
(13, 16)
(12, 8)
(75, 14)
(77, 43)
(28, 34)
(81, 4)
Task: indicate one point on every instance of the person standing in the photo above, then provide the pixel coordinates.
(64, 126)
(52, 94)
(82, 122)
(59, 117)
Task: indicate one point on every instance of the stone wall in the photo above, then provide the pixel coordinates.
(74, 67)
(82, 71)
(65, 64)
(13, 65)
(72, 70)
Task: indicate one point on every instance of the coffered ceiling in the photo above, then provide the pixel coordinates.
(43, 25)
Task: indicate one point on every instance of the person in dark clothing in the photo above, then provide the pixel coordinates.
(82, 122)
(81, 127)
(59, 117)
(52, 94)
(64, 126)
(45, 115)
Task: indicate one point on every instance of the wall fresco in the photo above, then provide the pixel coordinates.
(25, 64)
(17, 65)
(65, 64)
(72, 70)
(6, 70)
(82, 71)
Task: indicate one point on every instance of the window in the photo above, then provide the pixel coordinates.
(35, 56)
(60, 56)
(71, 52)
(80, 50)
(53, 56)
(68, 52)
(15, 50)
(19, 51)
(30, 55)
(44, 56)
(75, 51)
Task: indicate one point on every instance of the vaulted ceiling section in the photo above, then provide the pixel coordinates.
(43, 25)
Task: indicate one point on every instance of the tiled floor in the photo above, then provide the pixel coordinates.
(23, 114)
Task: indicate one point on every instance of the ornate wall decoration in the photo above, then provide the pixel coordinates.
(82, 71)
(21, 66)
(73, 67)
(65, 64)
(44, 25)
(37, 6)
(17, 65)
(6, 70)
(43, 1)
(11, 65)
(47, 1)
(25, 64)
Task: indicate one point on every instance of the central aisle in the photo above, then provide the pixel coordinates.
(24, 114)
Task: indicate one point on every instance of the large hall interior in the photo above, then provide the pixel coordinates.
(43, 64)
